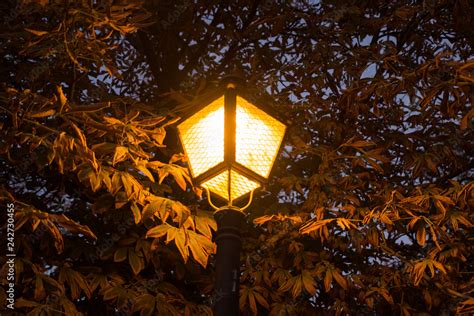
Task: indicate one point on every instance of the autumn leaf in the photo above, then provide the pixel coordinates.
(155, 164)
(328, 280)
(79, 134)
(131, 185)
(198, 252)
(120, 154)
(246, 295)
(145, 303)
(62, 98)
(76, 281)
(135, 261)
(47, 113)
(158, 231)
(297, 287)
(180, 212)
(113, 121)
(205, 223)
(21, 303)
(72, 226)
(260, 299)
(418, 270)
(56, 234)
(179, 174)
(120, 254)
(314, 225)
(345, 223)
(116, 182)
(36, 32)
(421, 235)
(40, 292)
(308, 282)
(340, 279)
(357, 143)
(146, 172)
(171, 234)
(137, 215)
(263, 219)
(112, 292)
(287, 285)
(466, 306)
(158, 206)
(181, 241)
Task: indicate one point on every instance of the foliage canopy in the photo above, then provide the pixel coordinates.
(369, 209)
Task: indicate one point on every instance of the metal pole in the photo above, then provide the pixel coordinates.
(226, 296)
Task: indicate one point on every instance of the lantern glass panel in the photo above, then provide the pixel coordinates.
(258, 137)
(240, 184)
(202, 136)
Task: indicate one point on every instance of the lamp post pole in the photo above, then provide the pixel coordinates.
(226, 298)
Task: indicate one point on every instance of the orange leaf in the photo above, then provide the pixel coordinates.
(137, 215)
(340, 279)
(261, 300)
(43, 114)
(297, 287)
(308, 282)
(252, 302)
(199, 253)
(181, 241)
(120, 154)
(421, 236)
(145, 171)
(287, 285)
(120, 254)
(328, 280)
(62, 98)
(158, 231)
(359, 144)
(204, 224)
(314, 225)
(36, 32)
(135, 261)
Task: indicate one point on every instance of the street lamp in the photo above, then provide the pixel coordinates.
(231, 145)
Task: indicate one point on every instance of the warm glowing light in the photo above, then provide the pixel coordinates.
(258, 137)
(202, 136)
(239, 185)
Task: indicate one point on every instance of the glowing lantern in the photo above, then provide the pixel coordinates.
(231, 144)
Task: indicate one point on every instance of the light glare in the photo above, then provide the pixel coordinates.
(203, 137)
